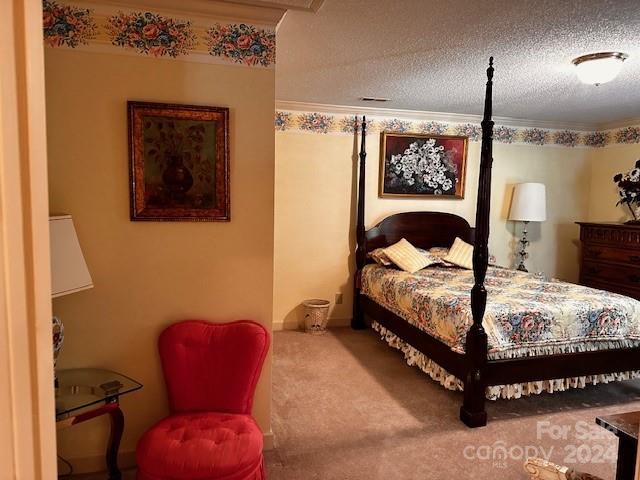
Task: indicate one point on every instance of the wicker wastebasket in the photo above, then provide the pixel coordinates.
(316, 313)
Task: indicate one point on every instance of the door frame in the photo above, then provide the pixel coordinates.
(27, 438)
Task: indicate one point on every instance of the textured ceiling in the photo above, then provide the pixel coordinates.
(431, 55)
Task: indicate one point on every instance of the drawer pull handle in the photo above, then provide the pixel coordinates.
(634, 278)
(634, 258)
(596, 253)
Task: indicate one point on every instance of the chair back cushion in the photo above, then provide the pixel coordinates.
(212, 367)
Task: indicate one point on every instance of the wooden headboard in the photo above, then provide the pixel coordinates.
(421, 229)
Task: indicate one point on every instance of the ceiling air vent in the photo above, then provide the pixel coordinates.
(374, 99)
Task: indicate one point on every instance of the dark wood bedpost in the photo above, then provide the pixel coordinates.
(357, 321)
(472, 412)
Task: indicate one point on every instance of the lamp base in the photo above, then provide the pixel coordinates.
(58, 340)
(522, 253)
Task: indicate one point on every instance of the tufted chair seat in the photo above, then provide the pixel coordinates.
(231, 444)
(211, 371)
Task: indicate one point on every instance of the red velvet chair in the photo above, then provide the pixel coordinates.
(211, 371)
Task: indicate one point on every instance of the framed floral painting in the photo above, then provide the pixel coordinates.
(178, 162)
(415, 165)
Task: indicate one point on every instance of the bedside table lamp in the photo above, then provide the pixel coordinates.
(528, 204)
(69, 272)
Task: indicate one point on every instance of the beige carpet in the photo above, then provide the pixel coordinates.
(346, 406)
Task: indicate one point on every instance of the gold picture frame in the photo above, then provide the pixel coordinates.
(439, 171)
(178, 162)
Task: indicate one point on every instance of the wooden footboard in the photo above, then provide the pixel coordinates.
(564, 365)
(472, 411)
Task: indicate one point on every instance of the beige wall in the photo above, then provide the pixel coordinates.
(150, 274)
(606, 163)
(315, 213)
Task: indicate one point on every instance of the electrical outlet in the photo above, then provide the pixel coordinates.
(338, 298)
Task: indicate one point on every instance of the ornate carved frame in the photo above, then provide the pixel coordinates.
(138, 209)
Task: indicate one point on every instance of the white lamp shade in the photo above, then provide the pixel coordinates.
(529, 203)
(69, 272)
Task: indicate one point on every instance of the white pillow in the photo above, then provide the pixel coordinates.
(407, 257)
(460, 254)
(439, 253)
(380, 257)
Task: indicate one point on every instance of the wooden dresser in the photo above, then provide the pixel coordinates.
(610, 257)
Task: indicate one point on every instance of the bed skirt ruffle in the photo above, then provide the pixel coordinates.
(517, 390)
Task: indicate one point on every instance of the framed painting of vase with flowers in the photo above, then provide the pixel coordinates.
(179, 162)
(415, 165)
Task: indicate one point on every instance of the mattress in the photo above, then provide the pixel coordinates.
(526, 314)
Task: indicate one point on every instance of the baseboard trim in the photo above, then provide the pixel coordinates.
(96, 463)
(333, 322)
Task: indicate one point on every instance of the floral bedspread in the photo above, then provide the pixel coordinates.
(526, 314)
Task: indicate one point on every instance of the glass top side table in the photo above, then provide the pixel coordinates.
(86, 393)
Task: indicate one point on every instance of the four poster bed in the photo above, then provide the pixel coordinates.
(572, 335)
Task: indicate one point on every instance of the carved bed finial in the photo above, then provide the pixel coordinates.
(472, 412)
(357, 320)
(360, 253)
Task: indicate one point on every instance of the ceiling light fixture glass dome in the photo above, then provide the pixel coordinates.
(599, 68)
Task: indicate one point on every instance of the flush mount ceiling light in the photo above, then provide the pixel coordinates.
(599, 68)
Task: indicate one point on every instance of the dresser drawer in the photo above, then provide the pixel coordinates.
(603, 253)
(619, 274)
(610, 258)
(616, 235)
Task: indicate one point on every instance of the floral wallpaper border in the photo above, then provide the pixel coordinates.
(153, 34)
(326, 123)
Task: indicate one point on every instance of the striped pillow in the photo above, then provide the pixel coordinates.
(407, 257)
(460, 254)
(380, 257)
(438, 253)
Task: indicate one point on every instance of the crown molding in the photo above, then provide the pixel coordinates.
(303, 6)
(442, 117)
(231, 12)
(620, 123)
